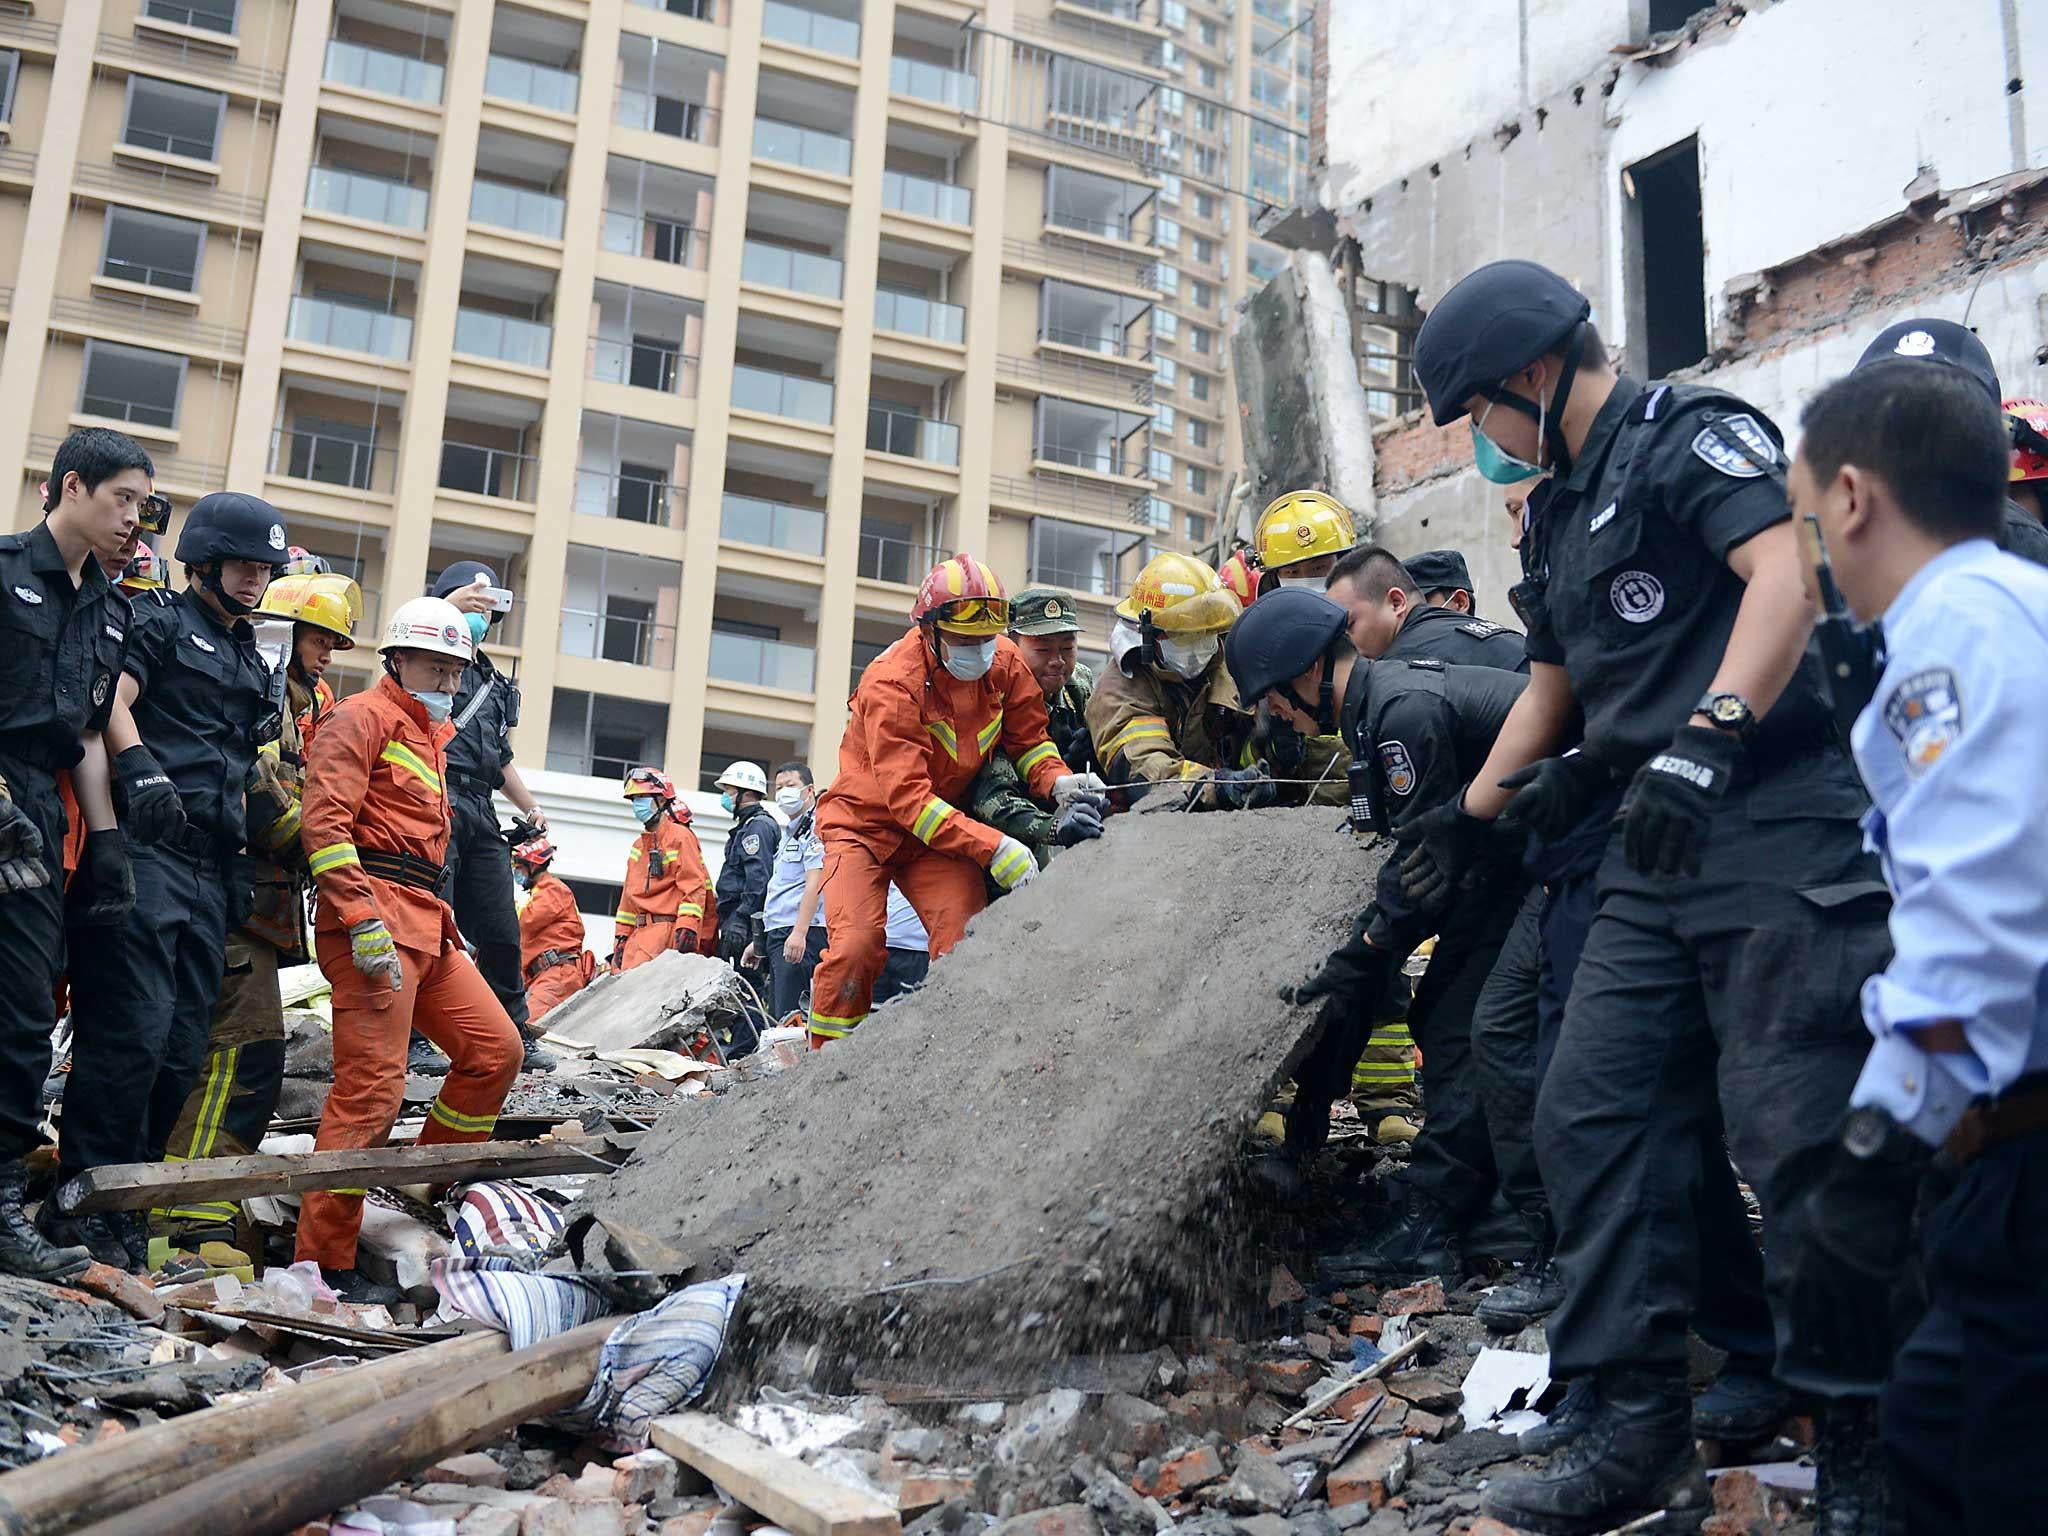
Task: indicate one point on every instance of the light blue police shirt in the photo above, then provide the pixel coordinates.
(800, 849)
(1953, 748)
(904, 930)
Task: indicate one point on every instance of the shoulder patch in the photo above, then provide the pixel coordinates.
(751, 843)
(1925, 716)
(1717, 455)
(30, 596)
(1480, 629)
(1399, 766)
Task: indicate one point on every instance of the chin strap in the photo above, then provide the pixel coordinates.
(1323, 711)
(209, 581)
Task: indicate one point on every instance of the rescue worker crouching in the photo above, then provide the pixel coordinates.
(551, 952)
(665, 901)
(375, 833)
(928, 712)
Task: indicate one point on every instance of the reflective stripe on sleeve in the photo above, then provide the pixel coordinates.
(948, 737)
(1009, 864)
(334, 856)
(930, 819)
(1144, 727)
(1035, 756)
(986, 737)
(399, 755)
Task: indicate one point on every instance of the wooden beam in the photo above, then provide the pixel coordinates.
(87, 1483)
(790, 1494)
(318, 1473)
(140, 1186)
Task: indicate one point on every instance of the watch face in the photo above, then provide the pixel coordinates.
(1864, 1134)
(1729, 710)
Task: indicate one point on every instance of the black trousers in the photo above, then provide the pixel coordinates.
(1729, 995)
(31, 960)
(789, 982)
(142, 1010)
(903, 970)
(1961, 1415)
(480, 887)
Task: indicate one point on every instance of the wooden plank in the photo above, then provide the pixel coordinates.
(788, 1493)
(87, 1483)
(1337, 1389)
(314, 1475)
(139, 1186)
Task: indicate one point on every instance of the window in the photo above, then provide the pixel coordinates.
(1208, 163)
(1198, 480)
(1206, 73)
(1665, 247)
(1172, 102)
(1198, 528)
(1210, 33)
(1169, 189)
(1163, 418)
(1169, 278)
(1167, 233)
(332, 452)
(10, 73)
(151, 249)
(1206, 116)
(1668, 15)
(1173, 15)
(1205, 205)
(1198, 385)
(130, 384)
(1161, 464)
(1205, 251)
(1205, 296)
(1198, 432)
(173, 119)
(620, 607)
(206, 15)
(1165, 325)
(1160, 511)
(1202, 339)
(597, 734)
(1168, 372)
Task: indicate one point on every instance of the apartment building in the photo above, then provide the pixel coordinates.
(712, 323)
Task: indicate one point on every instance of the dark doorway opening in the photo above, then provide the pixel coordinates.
(1671, 264)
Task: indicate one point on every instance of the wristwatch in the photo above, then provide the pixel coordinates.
(1728, 711)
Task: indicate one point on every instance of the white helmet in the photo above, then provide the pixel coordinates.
(430, 624)
(744, 776)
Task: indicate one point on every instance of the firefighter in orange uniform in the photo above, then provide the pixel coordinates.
(1240, 577)
(928, 712)
(375, 831)
(666, 900)
(551, 952)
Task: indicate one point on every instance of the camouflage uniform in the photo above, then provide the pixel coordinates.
(997, 797)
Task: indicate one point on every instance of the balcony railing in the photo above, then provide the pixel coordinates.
(1071, 493)
(1064, 376)
(343, 461)
(1088, 261)
(771, 524)
(158, 320)
(1111, 343)
(606, 636)
(484, 471)
(389, 74)
(910, 314)
(353, 328)
(785, 23)
(166, 143)
(644, 362)
(1111, 460)
(198, 57)
(953, 88)
(538, 85)
(656, 238)
(189, 193)
(696, 10)
(670, 116)
(211, 18)
(369, 198)
(480, 333)
(811, 148)
(780, 266)
(762, 663)
(782, 394)
(927, 199)
(630, 498)
(913, 436)
(504, 206)
(883, 558)
(172, 469)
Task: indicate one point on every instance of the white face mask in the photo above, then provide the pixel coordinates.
(1188, 660)
(1305, 583)
(789, 801)
(970, 663)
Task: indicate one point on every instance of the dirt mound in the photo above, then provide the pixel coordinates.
(1040, 1151)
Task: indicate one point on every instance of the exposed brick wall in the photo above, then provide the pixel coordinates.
(1405, 456)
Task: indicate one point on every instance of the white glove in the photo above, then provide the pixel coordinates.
(371, 947)
(1013, 866)
(1068, 785)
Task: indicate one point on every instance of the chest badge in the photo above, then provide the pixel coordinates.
(1637, 596)
(99, 689)
(1925, 715)
(1399, 766)
(205, 645)
(1603, 517)
(30, 596)
(1762, 452)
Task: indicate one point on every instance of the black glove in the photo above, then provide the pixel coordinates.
(1242, 789)
(686, 941)
(1354, 975)
(1857, 1216)
(618, 957)
(732, 942)
(21, 851)
(1671, 801)
(1553, 795)
(1079, 820)
(240, 877)
(144, 798)
(1449, 843)
(103, 890)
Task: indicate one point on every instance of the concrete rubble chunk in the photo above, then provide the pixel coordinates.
(1045, 1429)
(644, 1477)
(1282, 1289)
(487, 1521)
(920, 1444)
(473, 1468)
(1285, 1378)
(1060, 1520)
(1424, 1390)
(1264, 1525)
(1132, 1426)
(1259, 1485)
(1373, 1475)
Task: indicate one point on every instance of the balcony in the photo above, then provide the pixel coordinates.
(351, 328)
(644, 339)
(927, 199)
(805, 28)
(502, 205)
(771, 524)
(533, 85)
(352, 462)
(620, 607)
(935, 83)
(662, 88)
(507, 338)
(782, 394)
(388, 74)
(493, 472)
(759, 663)
(781, 266)
(666, 115)
(596, 733)
(636, 496)
(811, 148)
(352, 195)
(909, 435)
(643, 363)
(889, 556)
(656, 238)
(909, 314)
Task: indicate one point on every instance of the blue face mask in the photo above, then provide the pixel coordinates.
(644, 809)
(437, 705)
(1495, 462)
(725, 799)
(970, 663)
(478, 623)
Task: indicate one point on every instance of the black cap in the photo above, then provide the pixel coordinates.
(1439, 570)
(1493, 321)
(231, 525)
(1937, 341)
(1278, 638)
(463, 573)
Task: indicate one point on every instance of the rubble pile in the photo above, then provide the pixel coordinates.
(1036, 1154)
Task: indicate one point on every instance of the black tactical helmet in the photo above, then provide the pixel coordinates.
(1937, 341)
(463, 573)
(1493, 321)
(231, 525)
(1278, 638)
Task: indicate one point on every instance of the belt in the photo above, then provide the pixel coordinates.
(402, 868)
(457, 779)
(196, 842)
(2022, 1111)
(550, 957)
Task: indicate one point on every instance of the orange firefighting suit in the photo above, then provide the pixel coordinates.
(551, 952)
(667, 888)
(374, 790)
(915, 738)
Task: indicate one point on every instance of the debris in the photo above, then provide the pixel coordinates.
(1286, 1378)
(1259, 1485)
(1426, 1297)
(1503, 1381)
(1424, 1391)
(1282, 1289)
(473, 1468)
(1182, 1475)
(777, 1486)
(1335, 1390)
(1373, 1474)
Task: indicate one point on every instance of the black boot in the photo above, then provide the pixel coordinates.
(1567, 1421)
(1742, 1404)
(1534, 1292)
(1499, 1232)
(537, 1059)
(1849, 1472)
(24, 1250)
(1412, 1244)
(1634, 1459)
(91, 1231)
(422, 1060)
(353, 1285)
(132, 1227)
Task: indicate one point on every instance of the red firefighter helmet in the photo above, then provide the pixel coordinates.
(963, 597)
(649, 781)
(2028, 421)
(534, 855)
(1238, 575)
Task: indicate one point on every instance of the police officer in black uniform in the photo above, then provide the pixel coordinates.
(1445, 579)
(195, 701)
(1389, 617)
(62, 629)
(1419, 728)
(1737, 911)
(479, 860)
(748, 860)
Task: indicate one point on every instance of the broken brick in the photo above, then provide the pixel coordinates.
(1410, 1299)
(1060, 1520)
(1424, 1391)
(1357, 1400)
(920, 1491)
(1432, 1426)
(1318, 1344)
(1745, 1503)
(644, 1476)
(1282, 1289)
(474, 1469)
(694, 1522)
(130, 1293)
(1372, 1475)
(488, 1521)
(1285, 1378)
(1183, 1474)
(1133, 1426)
(1367, 1325)
(1486, 1525)
(1259, 1485)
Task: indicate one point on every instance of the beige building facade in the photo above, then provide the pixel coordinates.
(711, 324)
